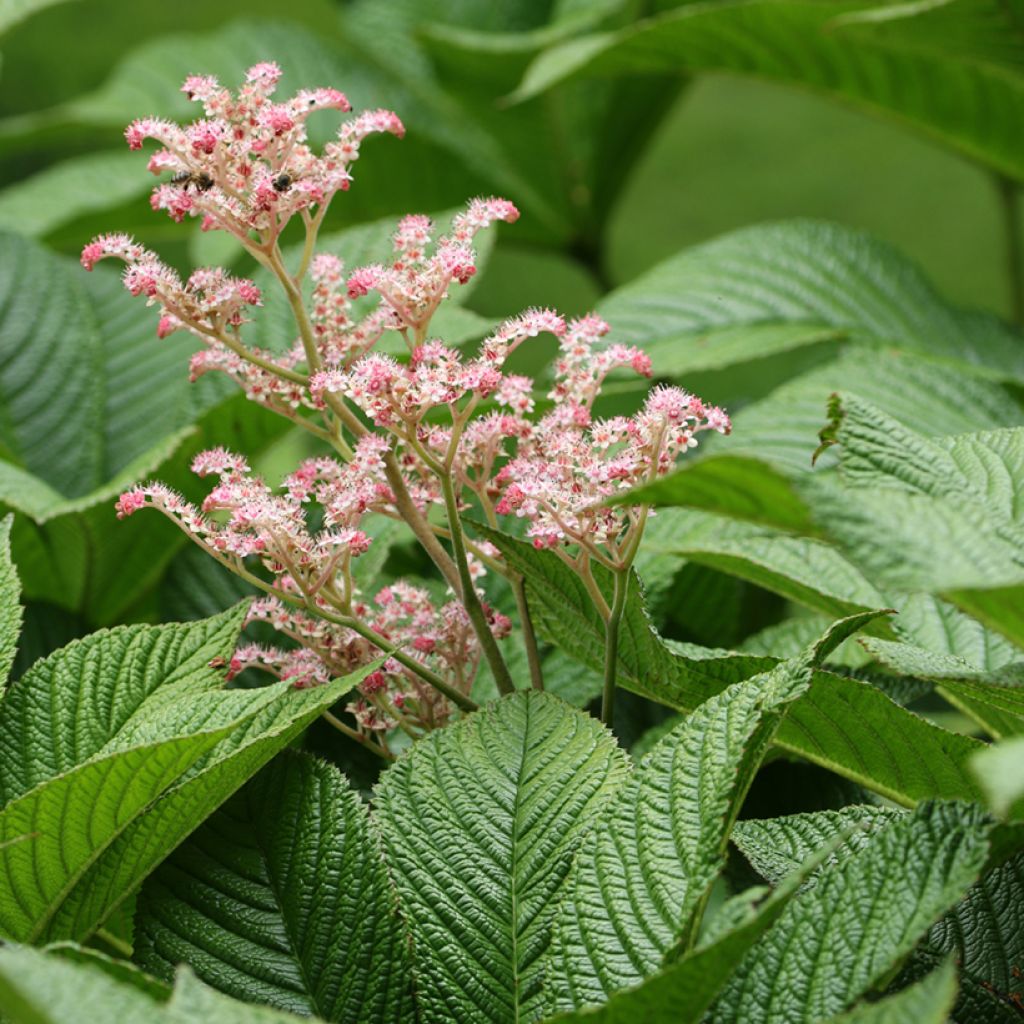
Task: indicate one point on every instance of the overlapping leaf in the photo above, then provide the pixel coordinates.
(641, 878)
(903, 496)
(282, 898)
(983, 931)
(842, 724)
(116, 747)
(865, 913)
(10, 608)
(480, 824)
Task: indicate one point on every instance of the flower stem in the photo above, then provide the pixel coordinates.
(611, 645)
(529, 637)
(470, 600)
(354, 734)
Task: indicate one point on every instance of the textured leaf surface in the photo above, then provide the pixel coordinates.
(114, 749)
(282, 898)
(929, 1001)
(10, 608)
(932, 76)
(845, 725)
(984, 931)
(480, 823)
(277, 720)
(796, 273)
(641, 878)
(38, 987)
(904, 495)
(801, 569)
(837, 939)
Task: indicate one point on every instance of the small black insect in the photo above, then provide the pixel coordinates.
(282, 183)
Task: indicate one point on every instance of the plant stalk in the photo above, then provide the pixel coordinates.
(470, 600)
(529, 636)
(611, 645)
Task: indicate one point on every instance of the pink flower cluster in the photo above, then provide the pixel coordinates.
(246, 165)
(439, 426)
(404, 617)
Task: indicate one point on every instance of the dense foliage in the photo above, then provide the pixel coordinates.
(356, 754)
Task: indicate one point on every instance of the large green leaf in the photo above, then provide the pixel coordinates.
(903, 496)
(934, 75)
(866, 912)
(801, 569)
(642, 877)
(114, 749)
(63, 191)
(480, 823)
(983, 931)
(777, 434)
(761, 282)
(929, 1001)
(282, 898)
(10, 608)
(38, 987)
(848, 726)
(683, 990)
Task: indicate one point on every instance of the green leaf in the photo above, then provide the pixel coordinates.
(1000, 771)
(760, 472)
(641, 879)
(902, 495)
(10, 607)
(77, 555)
(964, 95)
(277, 720)
(76, 704)
(114, 749)
(845, 725)
(16, 11)
(40, 987)
(993, 697)
(838, 939)
(683, 989)
(801, 569)
(69, 189)
(983, 931)
(776, 847)
(795, 278)
(480, 823)
(46, 988)
(282, 898)
(927, 1002)
(196, 1003)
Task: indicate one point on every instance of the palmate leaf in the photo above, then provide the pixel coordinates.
(902, 494)
(480, 824)
(282, 898)
(641, 879)
(114, 749)
(937, 74)
(865, 913)
(38, 987)
(845, 725)
(983, 931)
